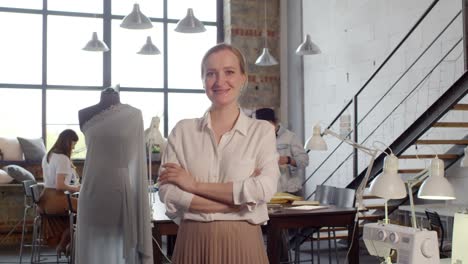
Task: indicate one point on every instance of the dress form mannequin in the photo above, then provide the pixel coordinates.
(109, 97)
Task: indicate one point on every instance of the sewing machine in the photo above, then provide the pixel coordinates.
(460, 238)
(413, 246)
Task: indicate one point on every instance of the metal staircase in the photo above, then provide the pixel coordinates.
(408, 146)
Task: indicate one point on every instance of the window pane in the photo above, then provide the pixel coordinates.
(183, 105)
(68, 64)
(150, 103)
(130, 69)
(31, 4)
(85, 6)
(21, 41)
(185, 55)
(54, 130)
(204, 10)
(61, 112)
(21, 113)
(61, 115)
(150, 8)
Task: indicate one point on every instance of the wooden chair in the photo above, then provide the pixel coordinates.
(38, 241)
(72, 215)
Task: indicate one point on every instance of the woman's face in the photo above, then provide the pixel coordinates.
(73, 145)
(223, 79)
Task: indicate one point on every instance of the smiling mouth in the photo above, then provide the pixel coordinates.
(221, 91)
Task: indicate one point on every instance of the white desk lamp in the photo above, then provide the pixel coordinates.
(434, 187)
(316, 142)
(388, 185)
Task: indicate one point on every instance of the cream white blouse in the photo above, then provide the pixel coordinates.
(58, 164)
(249, 145)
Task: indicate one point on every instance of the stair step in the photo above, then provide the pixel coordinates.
(380, 206)
(462, 107)
(371, 217)
(410, 170)
(450, 124)
(442, 141)
(429, 156)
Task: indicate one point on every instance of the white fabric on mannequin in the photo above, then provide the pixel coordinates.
(114, 224)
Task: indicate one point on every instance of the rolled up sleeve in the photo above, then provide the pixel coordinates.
(299, 155)
(177, 201)
(260, 189)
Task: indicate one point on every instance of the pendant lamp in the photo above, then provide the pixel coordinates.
(190, 24)
(266, 59)
(149, 48)
(307, 47)
(95, 44)
(136, 20)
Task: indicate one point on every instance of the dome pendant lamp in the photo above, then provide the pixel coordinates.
(136, 20)
(149, 48)
(95, 44)
(190, 24)
(308, 47)
(266, 59)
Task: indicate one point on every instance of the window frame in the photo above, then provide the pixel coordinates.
(107, 61)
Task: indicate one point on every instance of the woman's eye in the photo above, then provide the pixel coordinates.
(229, 72)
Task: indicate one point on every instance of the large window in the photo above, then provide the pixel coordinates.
(46, 77)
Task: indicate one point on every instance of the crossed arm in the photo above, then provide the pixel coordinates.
(208, 197)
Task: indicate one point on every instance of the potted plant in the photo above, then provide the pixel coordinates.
(156, 152)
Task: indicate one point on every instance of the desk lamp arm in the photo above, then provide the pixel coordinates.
(369, 151)
(410, 184)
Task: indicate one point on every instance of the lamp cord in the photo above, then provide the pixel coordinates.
(160, 249)
(265, 25)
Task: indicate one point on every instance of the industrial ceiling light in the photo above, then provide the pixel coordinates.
(266, 59)
(95, 44)
(136, 20)
(149, 48)
(190, 24)
(307, 47)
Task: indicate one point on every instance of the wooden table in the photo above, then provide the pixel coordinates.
(330, 217)
(279, 219)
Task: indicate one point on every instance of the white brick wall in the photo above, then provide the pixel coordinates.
(355, 36)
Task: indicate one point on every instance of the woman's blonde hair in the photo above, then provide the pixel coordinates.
(220, 47)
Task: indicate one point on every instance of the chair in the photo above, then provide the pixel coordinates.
(325, 195)
(37, 242)
(28, 204)
(436, 224)
(72, 215)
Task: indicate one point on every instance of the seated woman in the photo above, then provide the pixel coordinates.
(58, 171)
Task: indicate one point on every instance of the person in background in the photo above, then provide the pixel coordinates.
(58, 171)
(293, 158)
(219, 171)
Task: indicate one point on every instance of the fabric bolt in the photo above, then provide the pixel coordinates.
(114, 224)
(248, 146)
(58, 164)
(289, 145)
(219, 242)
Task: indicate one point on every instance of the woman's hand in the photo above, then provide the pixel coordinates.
(177, 175)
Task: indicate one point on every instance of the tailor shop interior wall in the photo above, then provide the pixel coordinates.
(244, 28)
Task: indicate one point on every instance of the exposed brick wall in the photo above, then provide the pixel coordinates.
(244, 28)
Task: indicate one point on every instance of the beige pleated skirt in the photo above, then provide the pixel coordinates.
(219, 242)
